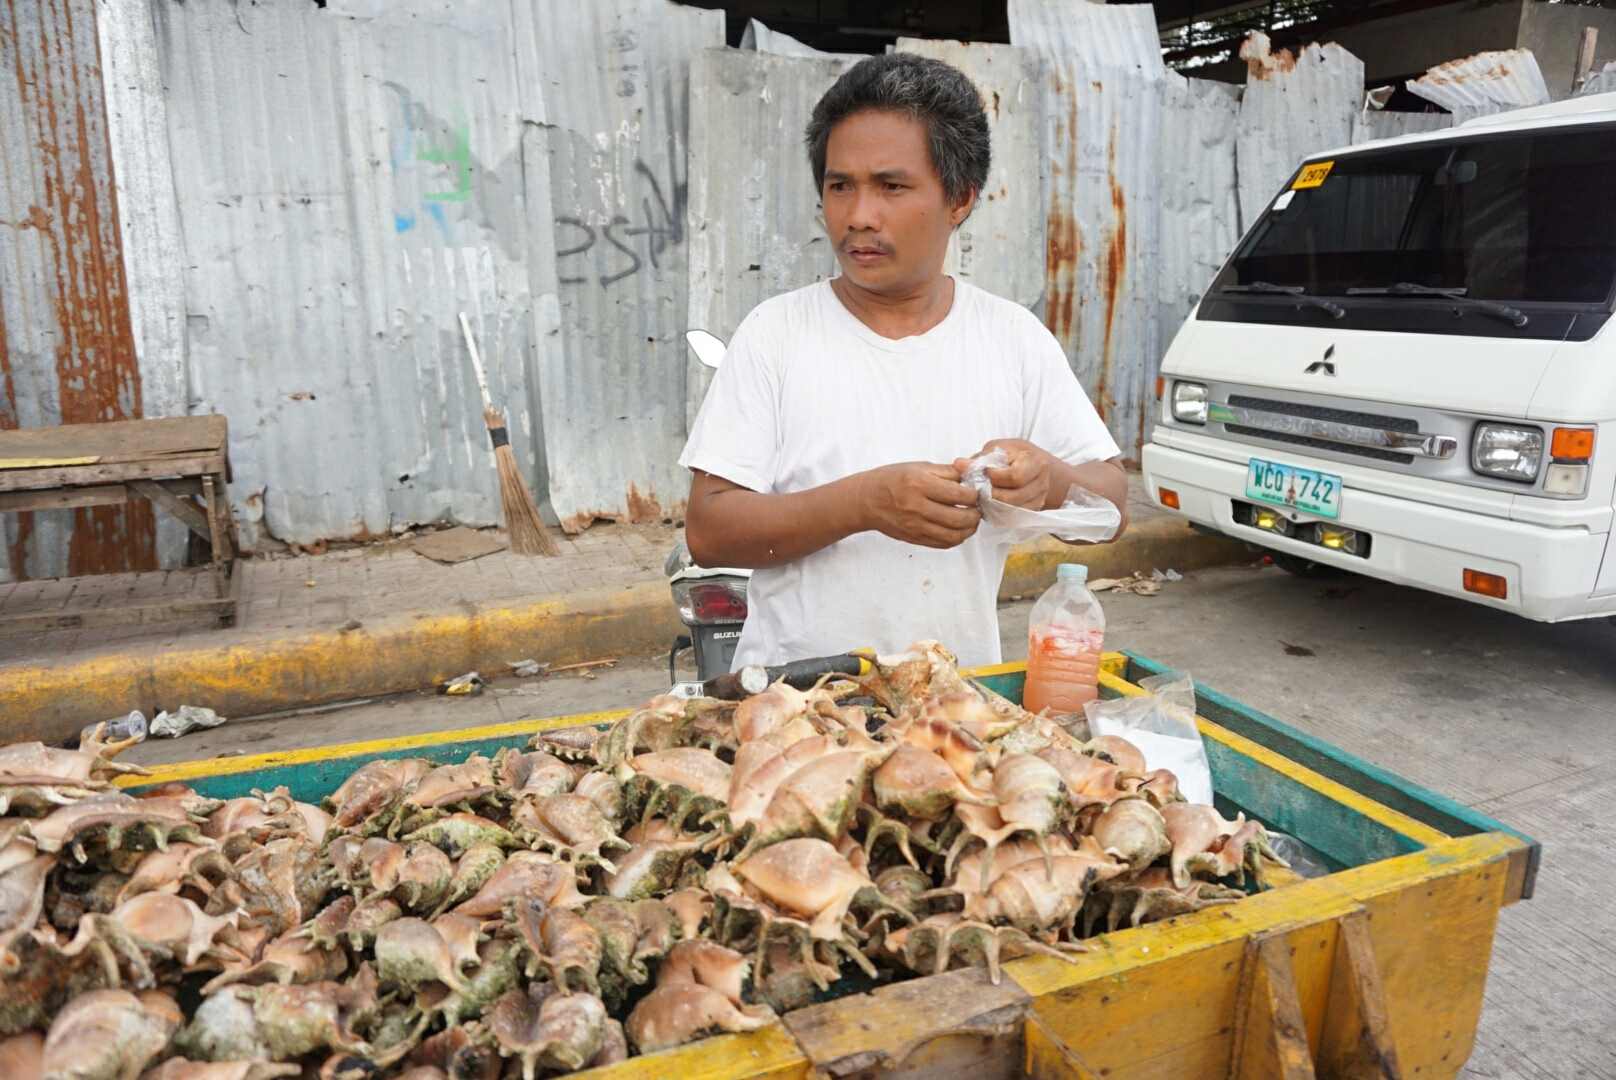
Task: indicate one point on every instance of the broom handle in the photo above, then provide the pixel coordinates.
(476, 363)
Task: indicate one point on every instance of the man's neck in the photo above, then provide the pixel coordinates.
(898, 316)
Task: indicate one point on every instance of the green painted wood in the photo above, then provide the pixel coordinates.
(1370, 780)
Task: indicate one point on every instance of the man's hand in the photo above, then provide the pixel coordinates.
(916, 502)
(1025, 481)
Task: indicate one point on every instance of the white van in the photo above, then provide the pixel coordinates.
(1405, 368)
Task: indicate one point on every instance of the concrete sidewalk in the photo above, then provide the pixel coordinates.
(379, 619)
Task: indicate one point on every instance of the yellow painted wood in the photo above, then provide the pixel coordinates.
(1433, 941)
(993, 669)
(1357, 1040)
(1417, 831)
(1270, 1040)
(191, 770)
(44, 463)
(1114, 663)
(1047, 1058)
(769, 1054)
(1159, 1001)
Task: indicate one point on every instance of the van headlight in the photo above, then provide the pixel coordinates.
(1189, 402)
(1503, 450)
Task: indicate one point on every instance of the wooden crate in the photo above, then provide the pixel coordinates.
(1375, 970)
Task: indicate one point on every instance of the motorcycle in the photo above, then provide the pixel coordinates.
(711, 600)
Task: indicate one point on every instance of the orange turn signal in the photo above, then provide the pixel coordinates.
(1169, 497)
(1572, 442)
(1492, 585)
(1161, 381)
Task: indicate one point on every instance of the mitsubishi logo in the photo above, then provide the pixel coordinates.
(1322, 367)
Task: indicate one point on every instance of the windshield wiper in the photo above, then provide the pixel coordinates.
(1297, 291)
(1409, 288)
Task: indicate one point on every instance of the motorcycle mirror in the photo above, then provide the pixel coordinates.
(709, 348)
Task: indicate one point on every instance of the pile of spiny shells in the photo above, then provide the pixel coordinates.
(701, 866)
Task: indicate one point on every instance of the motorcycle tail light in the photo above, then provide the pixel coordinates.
(714, 601)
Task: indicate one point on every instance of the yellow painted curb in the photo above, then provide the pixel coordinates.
(256, 673)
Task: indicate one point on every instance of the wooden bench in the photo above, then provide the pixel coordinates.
(169, 462)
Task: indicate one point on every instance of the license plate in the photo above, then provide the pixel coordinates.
(1285, 485)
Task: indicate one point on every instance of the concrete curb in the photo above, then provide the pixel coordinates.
(266, 673)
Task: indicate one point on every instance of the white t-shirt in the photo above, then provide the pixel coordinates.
(807, 394)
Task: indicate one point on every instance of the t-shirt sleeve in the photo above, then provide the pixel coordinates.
(1059, 416)
(737, 431)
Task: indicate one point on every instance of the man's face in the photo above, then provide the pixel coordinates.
(884, 204)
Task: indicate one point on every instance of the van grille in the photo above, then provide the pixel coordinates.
(1316, 412)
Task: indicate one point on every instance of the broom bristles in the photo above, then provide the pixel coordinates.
(529, 535)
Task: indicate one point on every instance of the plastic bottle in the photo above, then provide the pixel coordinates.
(1064, 640)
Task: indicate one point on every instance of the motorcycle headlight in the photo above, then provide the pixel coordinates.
(1189, 402)
(1507, 451)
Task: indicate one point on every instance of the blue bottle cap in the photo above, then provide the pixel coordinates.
(1071, 571)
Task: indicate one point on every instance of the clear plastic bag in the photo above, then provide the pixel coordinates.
(1305, 860)
(1083, 516)
(1161, 723)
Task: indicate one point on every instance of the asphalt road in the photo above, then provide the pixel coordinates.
(1517, 719)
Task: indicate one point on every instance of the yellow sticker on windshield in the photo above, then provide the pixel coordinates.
(1312, 174)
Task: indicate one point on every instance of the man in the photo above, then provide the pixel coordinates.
(828, 453)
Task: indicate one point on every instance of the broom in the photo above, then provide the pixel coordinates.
(529, 536)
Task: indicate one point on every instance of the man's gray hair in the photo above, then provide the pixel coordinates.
(937, 94)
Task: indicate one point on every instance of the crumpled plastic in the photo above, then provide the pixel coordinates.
(1161, 723)
(185, 719)
(1084, 516)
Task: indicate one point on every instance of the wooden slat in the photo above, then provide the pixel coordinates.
(99, 618)
(1047, 1058)
(112, 473)
(954, 1026)
(1270, 1037)
(187, 512)
(1357, 1039)
(118, 440)
(17, 502)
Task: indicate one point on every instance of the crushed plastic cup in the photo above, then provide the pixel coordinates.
(121, 728)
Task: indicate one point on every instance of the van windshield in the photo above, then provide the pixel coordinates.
(1523, 218)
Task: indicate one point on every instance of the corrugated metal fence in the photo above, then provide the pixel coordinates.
(310, 194)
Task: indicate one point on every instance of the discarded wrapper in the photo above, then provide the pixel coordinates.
(526, 669)
(185, 719)
(469, 683)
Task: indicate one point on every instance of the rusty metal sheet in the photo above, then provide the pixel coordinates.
(148, 222)
(349, 178)
(757, 37)
(1292, 106)
(1000, 247)
(615, 78)
(1200, 208)
(67, 352)
(755, 226)
(1484, 84)
(1370, 124)
(1104, 83)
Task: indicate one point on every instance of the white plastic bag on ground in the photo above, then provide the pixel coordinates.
(186, 718)
(1083, 516)
(1161, 723)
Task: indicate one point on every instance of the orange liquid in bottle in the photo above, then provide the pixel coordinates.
(1063, 669)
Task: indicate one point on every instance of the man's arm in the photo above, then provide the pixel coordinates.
(917, 502)
(1038, 480)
